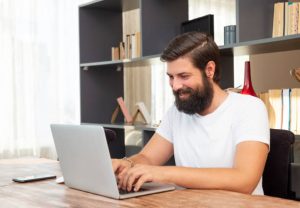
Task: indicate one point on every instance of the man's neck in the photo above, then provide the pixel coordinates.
(218, 98)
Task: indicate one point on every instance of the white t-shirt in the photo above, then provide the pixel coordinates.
(210, 141)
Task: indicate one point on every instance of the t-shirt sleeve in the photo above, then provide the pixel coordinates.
(165, 127)
(252, 123)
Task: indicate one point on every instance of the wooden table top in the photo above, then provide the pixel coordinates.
(49, 194)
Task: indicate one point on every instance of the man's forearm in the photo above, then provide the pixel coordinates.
(140, 159)
(210, 178)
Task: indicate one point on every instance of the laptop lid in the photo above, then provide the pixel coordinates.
(86, 164)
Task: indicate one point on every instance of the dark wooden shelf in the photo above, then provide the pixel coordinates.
(101, 63)
(126, 62)
(113, 5)
(133, 126)
(267, 45)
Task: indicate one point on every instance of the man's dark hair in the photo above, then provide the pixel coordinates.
(198, 47)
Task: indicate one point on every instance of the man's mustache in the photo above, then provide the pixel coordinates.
(183, 91)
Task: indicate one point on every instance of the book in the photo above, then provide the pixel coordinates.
(122, 50)
(229, 34)
(285, 109)
(275, 99)
(141, 109)
(293, 18)
(115, 53)
(138, 44)
(226, 35)
(298, 20)
(278, 19)
(122, 106)
(295, 110)
(133, 41)
(128, 47)
(286, 18)
(232, 34)
(265, 98)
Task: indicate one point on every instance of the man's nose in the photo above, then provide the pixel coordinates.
(176, 85)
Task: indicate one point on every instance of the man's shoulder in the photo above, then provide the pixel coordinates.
(237, 97)
(246, 101)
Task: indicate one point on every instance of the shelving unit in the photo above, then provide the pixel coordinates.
(100, 26)
(102, 80)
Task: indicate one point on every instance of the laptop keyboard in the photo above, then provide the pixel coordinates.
(121, 191)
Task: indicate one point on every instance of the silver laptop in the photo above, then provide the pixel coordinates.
(86, 164)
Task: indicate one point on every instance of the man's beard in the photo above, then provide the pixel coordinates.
(197, 101)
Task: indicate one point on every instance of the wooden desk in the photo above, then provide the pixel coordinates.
(49, 194)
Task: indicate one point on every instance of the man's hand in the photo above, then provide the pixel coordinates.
(120, 166)
(145, 166)
(139, 174)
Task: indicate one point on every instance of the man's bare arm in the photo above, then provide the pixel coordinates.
(248, 167)
(156, 152)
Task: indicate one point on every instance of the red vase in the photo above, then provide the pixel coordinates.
(248, 89)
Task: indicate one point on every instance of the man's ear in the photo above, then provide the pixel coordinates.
(210, 69)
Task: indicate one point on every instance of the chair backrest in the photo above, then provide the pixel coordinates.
(277, 172)
(110, 135)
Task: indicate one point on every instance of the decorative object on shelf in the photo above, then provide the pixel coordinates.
(295, 73)
(142, 110)
(203, 24)
(229, 34)
(122, 106)
(248, 89)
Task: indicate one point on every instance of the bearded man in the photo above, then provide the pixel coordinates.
(220, 140)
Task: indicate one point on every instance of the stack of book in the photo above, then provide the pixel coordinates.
(286, 18)
(283, 107)
(129, 49)
(229, 34)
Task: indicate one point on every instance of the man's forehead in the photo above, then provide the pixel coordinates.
(181, 68)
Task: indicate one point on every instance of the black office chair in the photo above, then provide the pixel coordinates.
(277, 173)
(110, 135)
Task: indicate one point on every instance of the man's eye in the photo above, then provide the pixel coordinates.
(184, 76)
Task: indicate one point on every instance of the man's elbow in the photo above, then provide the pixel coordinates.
(246, 190)
(247, 187)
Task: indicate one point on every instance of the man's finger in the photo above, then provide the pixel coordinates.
(143, 179)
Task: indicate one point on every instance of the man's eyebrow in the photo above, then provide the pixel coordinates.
(184, 73)
(179, 74)
(169, 74)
